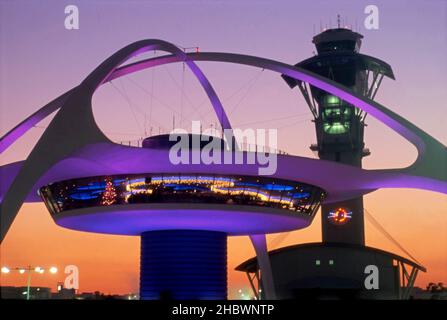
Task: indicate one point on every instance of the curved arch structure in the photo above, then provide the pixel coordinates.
(76, 143)
(428, 148)
(84, 131)
(427, 172)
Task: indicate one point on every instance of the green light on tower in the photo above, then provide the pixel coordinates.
(332, 100)
(335, 127)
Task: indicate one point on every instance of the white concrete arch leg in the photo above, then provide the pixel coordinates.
(260, 244)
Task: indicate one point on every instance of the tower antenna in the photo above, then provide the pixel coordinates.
(338, 20)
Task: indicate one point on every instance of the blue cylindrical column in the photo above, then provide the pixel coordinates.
(183, 265)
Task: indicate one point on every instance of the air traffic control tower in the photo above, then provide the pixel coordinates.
(340, 125)
(335, 268)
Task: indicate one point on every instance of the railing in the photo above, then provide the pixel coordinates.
(242, 147)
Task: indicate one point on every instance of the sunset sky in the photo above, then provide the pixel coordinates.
(40, 59)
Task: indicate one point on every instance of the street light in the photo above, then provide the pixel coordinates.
(29, 269)
(5, 270)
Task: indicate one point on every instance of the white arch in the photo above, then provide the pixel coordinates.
(75, 120)
(84, 130)
(432, 155)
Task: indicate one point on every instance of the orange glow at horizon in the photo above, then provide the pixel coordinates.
(110, 264)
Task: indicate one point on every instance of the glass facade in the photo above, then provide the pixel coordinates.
(336, 116)
(340, 45)
(181, 188)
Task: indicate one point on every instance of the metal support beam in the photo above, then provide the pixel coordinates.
(252, 284)
(408, 280)
(373, 82)
(377, 87)
(307, 96)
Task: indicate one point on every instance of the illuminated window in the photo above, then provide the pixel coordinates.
(337, 114)
(184, 188)
(331, 262)
(317, 262)
(335, 127)
(332, 100)
(332, 112)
